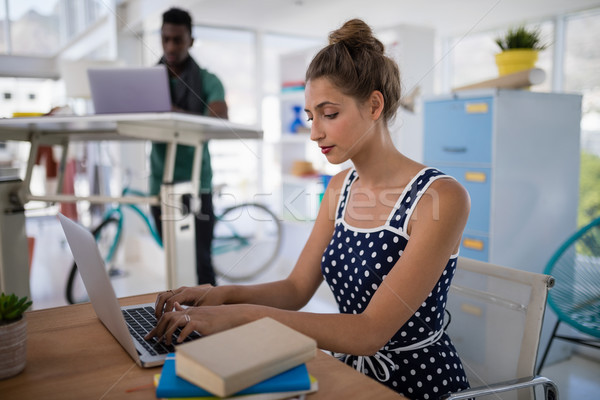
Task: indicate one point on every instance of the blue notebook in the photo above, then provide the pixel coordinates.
(170, 385)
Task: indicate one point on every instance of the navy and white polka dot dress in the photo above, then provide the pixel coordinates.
(419, 361)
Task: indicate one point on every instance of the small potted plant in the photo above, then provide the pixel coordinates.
(519, 49)
(13, 334)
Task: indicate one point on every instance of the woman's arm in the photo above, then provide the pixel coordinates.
(436, 228)
(291, 293)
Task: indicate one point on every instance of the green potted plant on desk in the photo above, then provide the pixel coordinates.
(13, 334)
(519, 49)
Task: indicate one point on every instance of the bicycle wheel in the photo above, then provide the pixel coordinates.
(246, 241)
(107, 236)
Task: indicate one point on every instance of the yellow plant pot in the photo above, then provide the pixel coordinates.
(515, 60)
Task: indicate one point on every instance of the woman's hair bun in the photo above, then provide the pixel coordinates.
(356, 64)
(356, 33)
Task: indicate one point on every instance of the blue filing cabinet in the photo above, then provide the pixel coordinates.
(517, 154)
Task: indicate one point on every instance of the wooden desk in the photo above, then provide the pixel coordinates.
(70, 355)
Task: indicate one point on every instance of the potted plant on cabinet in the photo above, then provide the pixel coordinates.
(519, 49)
(13, 334)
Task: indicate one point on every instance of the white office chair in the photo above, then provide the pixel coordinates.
(496, 316)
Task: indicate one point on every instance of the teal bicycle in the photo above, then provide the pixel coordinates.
(247, 239)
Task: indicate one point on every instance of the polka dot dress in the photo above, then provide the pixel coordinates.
(419, 361)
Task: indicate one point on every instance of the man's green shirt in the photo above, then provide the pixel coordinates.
(212, 90)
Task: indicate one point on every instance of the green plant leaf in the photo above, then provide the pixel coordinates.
(521, 38)
(15, 314)
(11, 307)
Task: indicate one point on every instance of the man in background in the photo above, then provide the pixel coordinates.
(197, 91)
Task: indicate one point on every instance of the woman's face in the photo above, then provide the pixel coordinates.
(340, 124)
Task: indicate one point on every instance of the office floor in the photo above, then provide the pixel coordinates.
(142, 261)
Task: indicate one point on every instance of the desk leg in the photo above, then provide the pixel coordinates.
(196, 201)
(25, 190)
(196, 171)
(169, 169)
(62, 166)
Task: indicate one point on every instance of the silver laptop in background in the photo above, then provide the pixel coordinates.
(104, 300)
(130, 89)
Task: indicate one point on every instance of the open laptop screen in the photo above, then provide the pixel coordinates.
(130, 90)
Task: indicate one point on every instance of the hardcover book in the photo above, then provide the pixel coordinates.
(230, 361)
(171, 386)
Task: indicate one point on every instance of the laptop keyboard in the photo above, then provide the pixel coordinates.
(140, 321)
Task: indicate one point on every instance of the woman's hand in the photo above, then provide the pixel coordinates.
(204, 320)
(206, 295)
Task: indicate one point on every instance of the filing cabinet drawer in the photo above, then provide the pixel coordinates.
(475, 246)
(477, 182)
(458, 130)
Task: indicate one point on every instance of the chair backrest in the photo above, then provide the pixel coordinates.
(496, 316)
(576, 267)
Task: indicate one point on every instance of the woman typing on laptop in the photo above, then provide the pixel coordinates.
(385, 240)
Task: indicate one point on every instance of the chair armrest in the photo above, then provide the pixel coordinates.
(550, 388)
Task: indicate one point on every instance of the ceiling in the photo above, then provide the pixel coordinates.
(318, 17)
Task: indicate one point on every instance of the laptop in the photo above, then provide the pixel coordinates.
(129, 89)
(128, 324)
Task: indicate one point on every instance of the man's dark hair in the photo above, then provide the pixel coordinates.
(177, 16)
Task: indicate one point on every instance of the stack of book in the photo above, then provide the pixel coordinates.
(262, 360)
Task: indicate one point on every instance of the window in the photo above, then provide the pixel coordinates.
(472, 59)
(229, 53)
(545, 57)
(3, 22)
(41, 27)
(582, 68)
(34, 27)
(582, 75)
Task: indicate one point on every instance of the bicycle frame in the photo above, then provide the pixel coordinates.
(119, 218)
(240, 241)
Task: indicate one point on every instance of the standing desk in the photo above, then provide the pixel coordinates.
(71, 355)
(169, 128)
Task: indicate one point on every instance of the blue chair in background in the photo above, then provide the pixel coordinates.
(575, 297)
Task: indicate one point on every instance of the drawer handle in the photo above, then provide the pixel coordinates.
(475, 176)
(473, 244)
(449, 149)
(476, 108)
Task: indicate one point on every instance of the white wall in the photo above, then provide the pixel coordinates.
(413, 49)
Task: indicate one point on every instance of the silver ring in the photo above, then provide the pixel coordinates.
(187, 318)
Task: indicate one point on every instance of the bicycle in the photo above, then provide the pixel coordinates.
(108, 236)
(247, 239)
